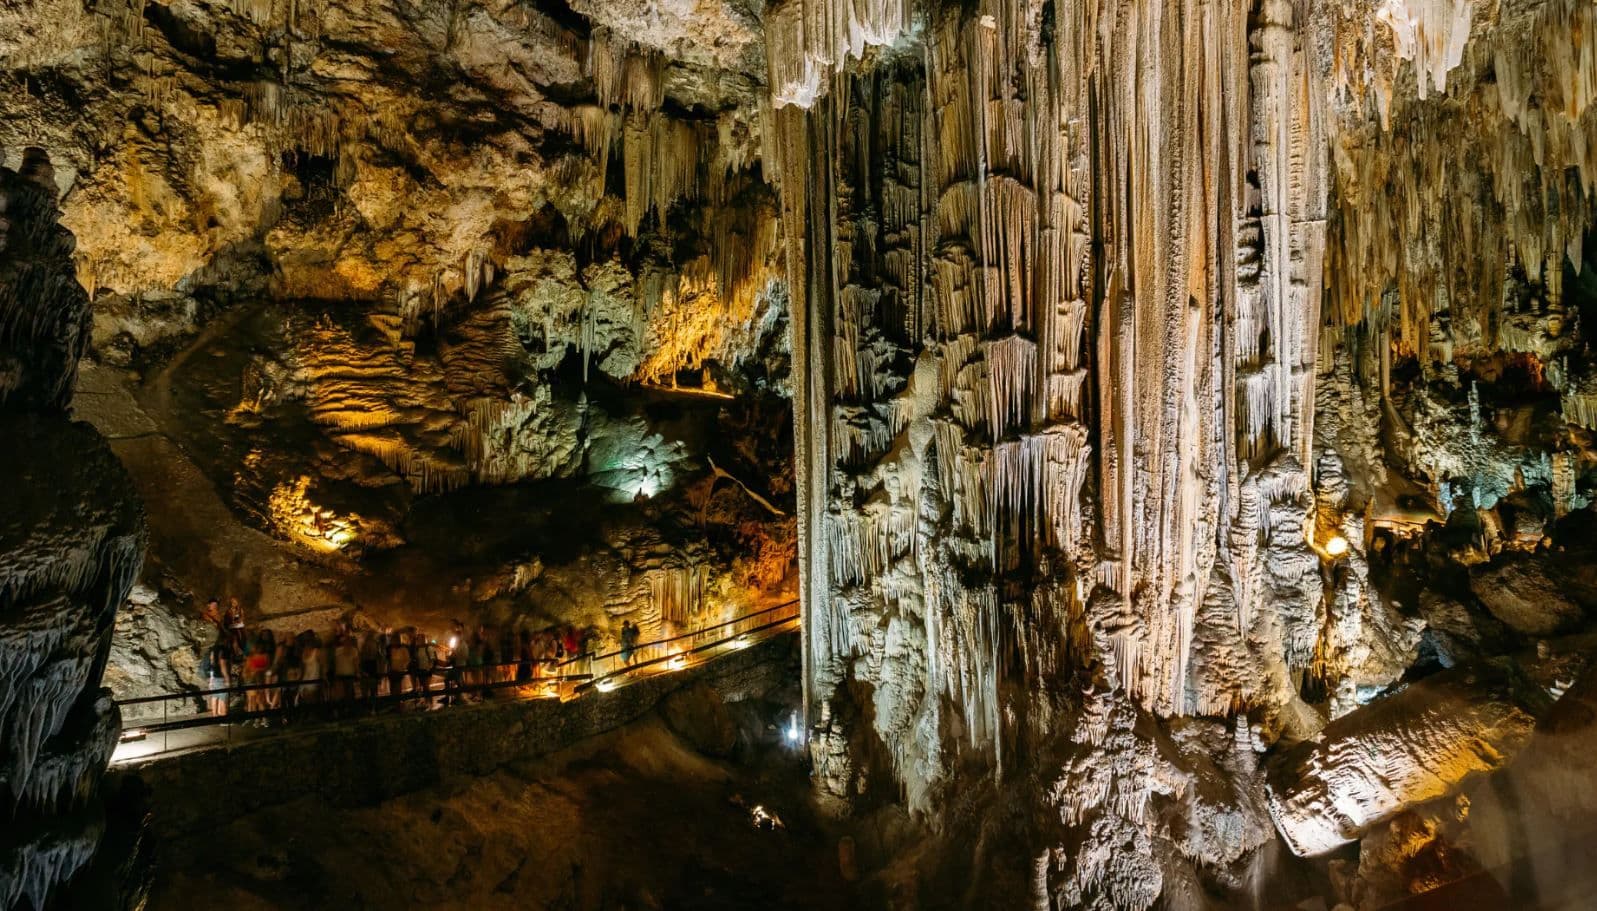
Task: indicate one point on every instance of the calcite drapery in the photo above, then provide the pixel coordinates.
(1057, 272)
(1047, 264)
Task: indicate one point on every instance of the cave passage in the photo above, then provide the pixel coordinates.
(913, 454)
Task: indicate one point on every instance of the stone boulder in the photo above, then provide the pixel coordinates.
(1524, 592)
(1397, 753)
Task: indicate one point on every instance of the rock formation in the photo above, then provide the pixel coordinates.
(71, 541)
(1188, 396)
(1072, 285)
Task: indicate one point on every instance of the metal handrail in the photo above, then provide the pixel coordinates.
(448, 684)
(693, 633)
(595, 680)
(319, 681)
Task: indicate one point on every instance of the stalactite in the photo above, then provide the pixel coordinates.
(660, 158)
(1518, 105)
(1117, 219)
(1011, 375)
(678, 592)
(626, 74)
(809, 40)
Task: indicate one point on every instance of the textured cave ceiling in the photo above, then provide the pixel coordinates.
(1176, 416)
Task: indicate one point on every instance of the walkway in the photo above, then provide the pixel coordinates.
(185, 727)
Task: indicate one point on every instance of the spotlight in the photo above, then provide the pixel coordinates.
(605, 685)
(1337, 546)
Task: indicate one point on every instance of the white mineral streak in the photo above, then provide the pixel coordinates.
(1399, 752)
(1432, 33)
(809, 41)
(678, 592)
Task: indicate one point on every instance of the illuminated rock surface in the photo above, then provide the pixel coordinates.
(1179, 390)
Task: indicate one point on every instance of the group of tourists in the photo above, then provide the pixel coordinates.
(258, 670)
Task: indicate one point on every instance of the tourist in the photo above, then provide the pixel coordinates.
(277, 653)
(234, 619)
(310, 671)
(217, 676)
(629, 641)
(346, 666)
(212, 614)
(383, 641)
(488, 662)
(479, 657)
(291, 673)
(422, 666)
(571, 642)
(369, 650)
(524, 664)
(256, 661)
(459, 664)
(398, 663)
(506, 671)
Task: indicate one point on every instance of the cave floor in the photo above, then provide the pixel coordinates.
(632, 819)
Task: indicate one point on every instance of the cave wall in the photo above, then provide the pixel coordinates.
(1169, 379)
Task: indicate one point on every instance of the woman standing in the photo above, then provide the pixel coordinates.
(422, 664)
(311, 671)
(217, 677)
(256, 662)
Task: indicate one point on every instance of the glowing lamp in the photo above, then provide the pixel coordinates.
(605, 685)
(678, 663)
(793, 735)
(1337, 546)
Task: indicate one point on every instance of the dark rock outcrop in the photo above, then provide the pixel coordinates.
(698, 715)
(71, 543)
(44, 313)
